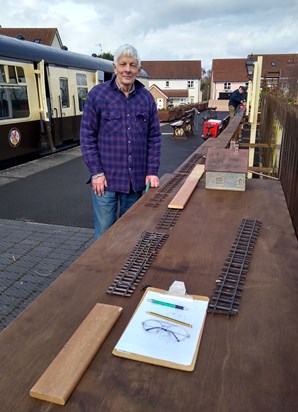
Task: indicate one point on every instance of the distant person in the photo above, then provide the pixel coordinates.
(120, 140)
(236, 99)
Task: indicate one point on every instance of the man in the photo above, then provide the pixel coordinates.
(236, 99)
(120, 140)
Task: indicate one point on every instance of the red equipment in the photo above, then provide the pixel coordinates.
(212, 128)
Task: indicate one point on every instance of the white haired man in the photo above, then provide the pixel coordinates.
(120, 140)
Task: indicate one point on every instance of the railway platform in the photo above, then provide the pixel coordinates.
(46, 219)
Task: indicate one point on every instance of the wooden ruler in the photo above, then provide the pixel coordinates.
(181, 198)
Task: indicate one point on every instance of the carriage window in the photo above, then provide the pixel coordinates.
(16, 74)
(82, 89)
(81, 79)
(2, 74)
(12, 75)
(64, 92)
(13, 102)
(20, 75)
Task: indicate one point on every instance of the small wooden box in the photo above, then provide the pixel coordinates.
(226, 169)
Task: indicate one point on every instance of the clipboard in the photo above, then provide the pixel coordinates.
(171, 339)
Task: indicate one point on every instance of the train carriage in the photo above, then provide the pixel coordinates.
(42, 95)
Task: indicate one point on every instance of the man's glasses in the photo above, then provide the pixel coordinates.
(165, 330)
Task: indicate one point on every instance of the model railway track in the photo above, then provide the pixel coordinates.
(178, 177)
(169, 219)
(165, 190)
(226, 295)
(195, 159)
(138, 263)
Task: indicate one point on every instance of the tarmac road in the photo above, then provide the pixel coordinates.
(53, 189)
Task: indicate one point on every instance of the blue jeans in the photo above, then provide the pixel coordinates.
(108, 207)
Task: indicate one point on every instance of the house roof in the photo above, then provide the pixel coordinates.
(171, 93)
(46, 35)
(284, 64)
(175, 93)
(224, 70)
(173, 69)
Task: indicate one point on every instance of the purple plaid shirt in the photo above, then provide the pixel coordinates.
(120, 135)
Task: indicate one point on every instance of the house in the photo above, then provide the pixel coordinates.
(46, 36)
(173, 83)
(280, 70)
(226, 169)
(229, 74)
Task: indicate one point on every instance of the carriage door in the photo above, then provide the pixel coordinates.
(63, 105)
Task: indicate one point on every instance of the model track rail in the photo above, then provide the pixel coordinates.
(188, 166)
(169, 219)
(226, 295)
(138, 263)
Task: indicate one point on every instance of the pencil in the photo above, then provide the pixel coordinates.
(170, 319)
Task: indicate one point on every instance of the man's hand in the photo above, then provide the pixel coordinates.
(153, 180)
(98, 184)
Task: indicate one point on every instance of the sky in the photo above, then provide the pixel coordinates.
(165, 29)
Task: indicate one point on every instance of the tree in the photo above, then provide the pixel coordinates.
(107, 56)
(206, 84)
(285, 86)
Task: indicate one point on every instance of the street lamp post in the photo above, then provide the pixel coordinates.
(250, 65)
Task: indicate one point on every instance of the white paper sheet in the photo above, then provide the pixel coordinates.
(153, 337)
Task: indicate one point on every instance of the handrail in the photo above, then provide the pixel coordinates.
(230, 133)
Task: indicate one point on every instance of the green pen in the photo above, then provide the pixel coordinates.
(171, 305)
(147, 186)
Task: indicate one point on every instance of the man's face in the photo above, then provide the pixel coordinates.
(126, 70)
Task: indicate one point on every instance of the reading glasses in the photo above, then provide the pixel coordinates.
(165, 329)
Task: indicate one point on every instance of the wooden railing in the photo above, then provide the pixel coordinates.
(275, 112)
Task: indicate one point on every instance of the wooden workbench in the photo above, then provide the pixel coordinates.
(246, 363)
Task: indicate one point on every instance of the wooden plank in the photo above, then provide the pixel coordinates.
(64, 373)
(181, 198)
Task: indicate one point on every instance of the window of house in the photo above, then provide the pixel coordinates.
(227, 85)
(37, 40)
(167, 83)
(64, 91)
(190, 83)
(219, 181)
